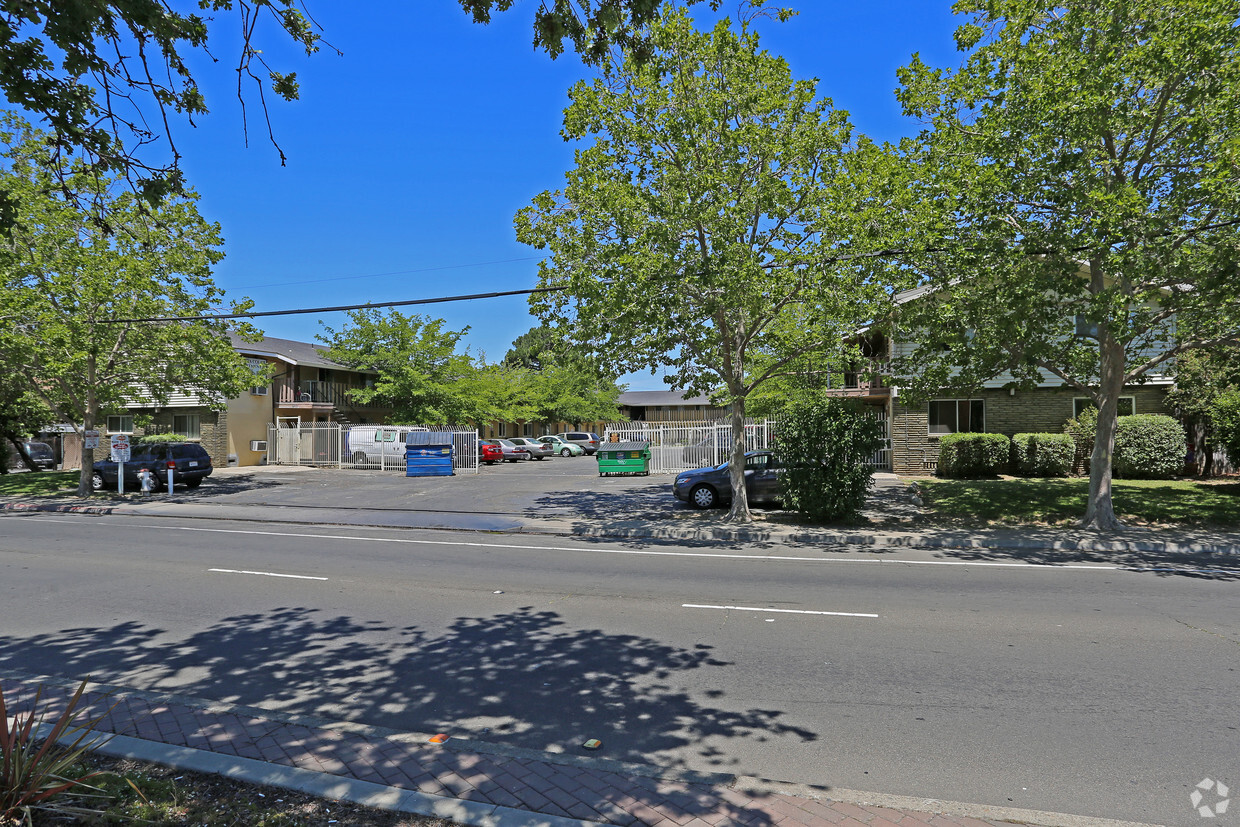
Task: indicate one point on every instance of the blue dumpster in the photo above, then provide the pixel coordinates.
(428, 454)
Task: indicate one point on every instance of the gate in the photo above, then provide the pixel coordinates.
(372, 447)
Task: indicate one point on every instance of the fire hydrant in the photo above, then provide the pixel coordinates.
(147, 481)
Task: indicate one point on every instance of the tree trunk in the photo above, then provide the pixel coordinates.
(1100, 511)
(740, 500)
(88, 423)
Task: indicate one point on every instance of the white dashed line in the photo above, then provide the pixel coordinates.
(267, 574)
(781, 611)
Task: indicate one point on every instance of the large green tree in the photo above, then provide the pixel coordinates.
(1085, 160)
(425, 375)
(559, 382)
(696, 230)
(72, 296)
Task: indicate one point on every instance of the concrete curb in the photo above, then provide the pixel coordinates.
(333, 787)
(1016, 815)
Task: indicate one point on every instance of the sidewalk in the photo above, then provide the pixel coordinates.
(474, 783)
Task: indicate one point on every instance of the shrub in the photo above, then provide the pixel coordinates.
(825, 448)
(1148, 446)
(34, 768)
(973, 455)
(1225, 414)
(1083, 429)
(1043, 455)
(150, 439)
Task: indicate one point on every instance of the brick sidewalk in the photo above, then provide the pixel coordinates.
(559, 786)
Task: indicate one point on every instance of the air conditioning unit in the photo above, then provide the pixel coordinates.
(258, 445)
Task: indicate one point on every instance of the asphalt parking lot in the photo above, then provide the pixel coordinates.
(553, 487)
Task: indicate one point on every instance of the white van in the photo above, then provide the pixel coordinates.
(377, 444)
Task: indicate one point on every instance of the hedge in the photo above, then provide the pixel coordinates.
(973, 455)
(1150, 446)
(1225, 414)
(1043, 455)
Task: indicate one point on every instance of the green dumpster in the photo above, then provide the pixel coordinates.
(624, 458)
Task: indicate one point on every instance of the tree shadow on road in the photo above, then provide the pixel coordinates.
(522, 675)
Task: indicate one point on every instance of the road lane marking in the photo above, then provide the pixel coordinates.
(634, 552)
(781, 611)
(267, 574)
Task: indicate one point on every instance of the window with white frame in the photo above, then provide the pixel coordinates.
(120, 424)
(957, 416)
(1127, 405)
(502, 430)
(527, 429)
(189, 425)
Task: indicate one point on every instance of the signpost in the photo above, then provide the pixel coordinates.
(120, 455)
(92, 439)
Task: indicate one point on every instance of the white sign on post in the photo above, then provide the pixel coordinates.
(120, 447)
(92, 439)
(120, 455)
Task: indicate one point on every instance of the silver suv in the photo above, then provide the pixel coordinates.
(588, 441)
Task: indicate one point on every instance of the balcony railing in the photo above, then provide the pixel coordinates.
(866, 381)
(318, 393)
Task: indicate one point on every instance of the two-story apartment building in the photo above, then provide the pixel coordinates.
(995, 407)
(294, 383)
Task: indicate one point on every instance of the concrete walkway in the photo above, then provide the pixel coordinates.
(475, 783)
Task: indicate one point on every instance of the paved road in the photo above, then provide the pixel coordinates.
(1099, 692)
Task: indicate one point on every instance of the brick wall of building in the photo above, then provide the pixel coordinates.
(213, 426)
(914, 451)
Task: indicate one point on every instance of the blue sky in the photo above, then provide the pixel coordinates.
(409, 155)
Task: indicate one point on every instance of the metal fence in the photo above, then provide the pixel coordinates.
(370, 447)
(681, 446)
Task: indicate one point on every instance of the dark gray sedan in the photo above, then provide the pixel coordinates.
(711, 487)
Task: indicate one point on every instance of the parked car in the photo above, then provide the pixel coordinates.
(489, 452)
(512, 451)
(40, 453)
(189, 461)
(711, 487)
(536, 449)
(564, 449)
(588, 441)
(372, 444)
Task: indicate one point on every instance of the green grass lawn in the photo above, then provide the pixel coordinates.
(42, 482)
(1062, 501)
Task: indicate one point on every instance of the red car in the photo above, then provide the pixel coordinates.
(489, 453)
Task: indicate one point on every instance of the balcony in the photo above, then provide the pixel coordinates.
(313, 395)
(866, 381)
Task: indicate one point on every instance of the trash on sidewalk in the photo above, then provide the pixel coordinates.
(438, 739)
(593, 743)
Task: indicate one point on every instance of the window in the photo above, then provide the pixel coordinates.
(188, 424)
(503, 429)
(957, 416)
(1127, 405)
(259, 368)
(120, 424)
(1086, 328)
(527, 429)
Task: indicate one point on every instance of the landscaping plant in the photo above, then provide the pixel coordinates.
(34, 768)
(1225, 413)
(973, 455)
(825, 448)
(1043, 455)
(1150, 446)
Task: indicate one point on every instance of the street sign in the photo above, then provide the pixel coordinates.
(120, 447)
(92, 439)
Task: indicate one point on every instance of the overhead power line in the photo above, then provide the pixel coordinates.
(368, 305)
